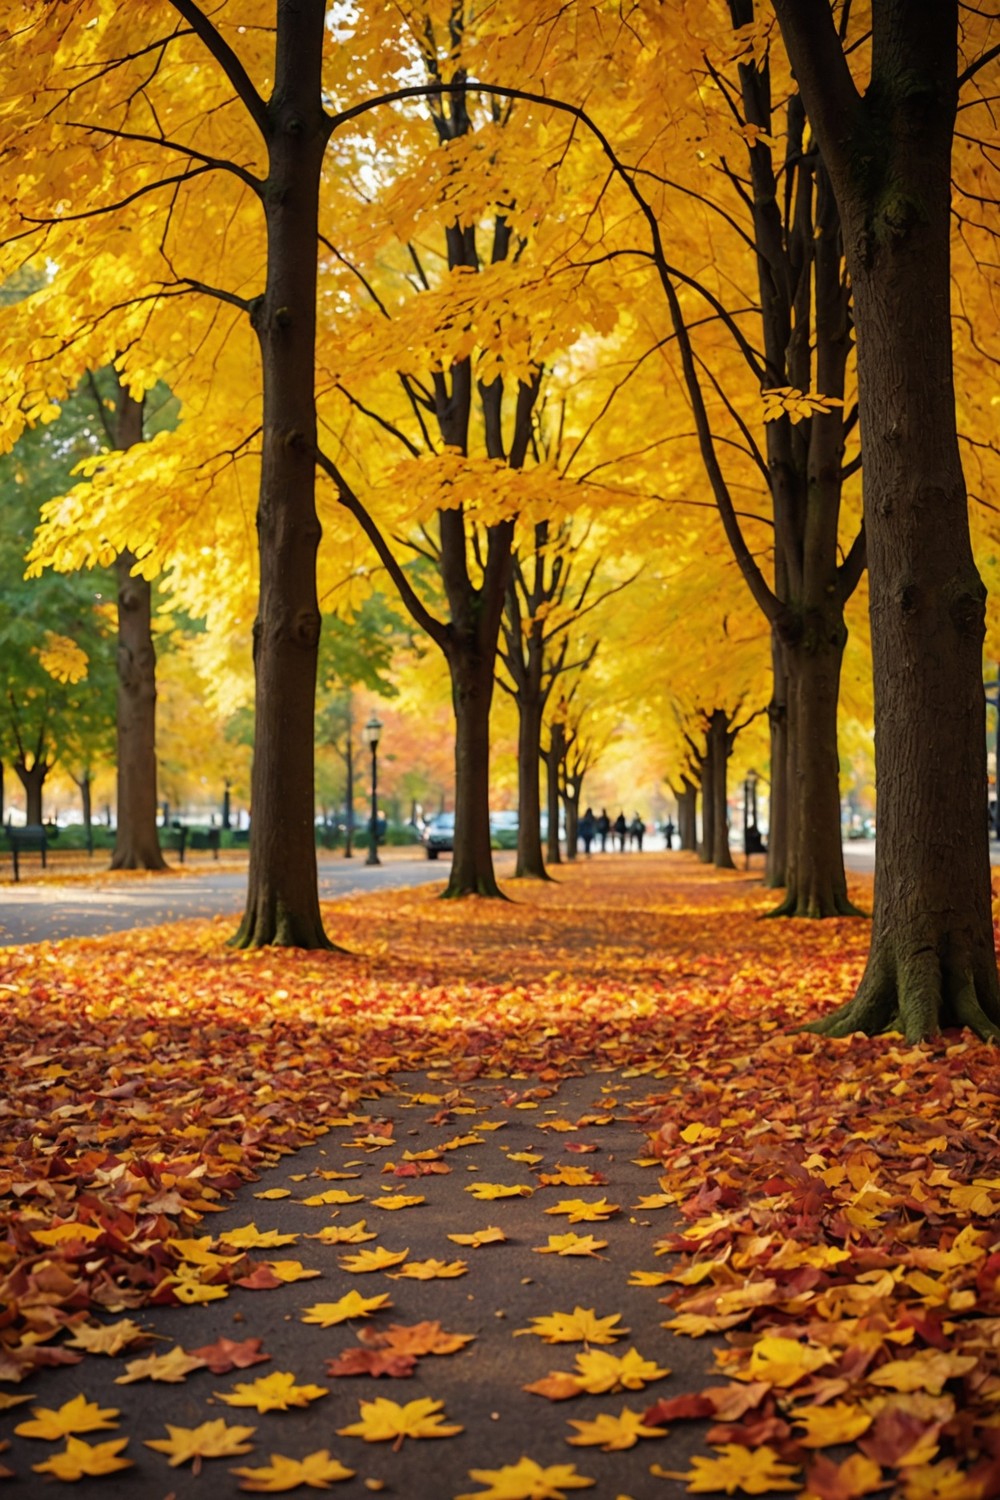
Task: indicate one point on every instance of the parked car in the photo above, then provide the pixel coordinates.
(439, 835)
(503, 830)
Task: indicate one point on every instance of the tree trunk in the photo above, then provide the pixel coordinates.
(571, 805)
(529, 735)
(817, 884)
(349, 788)
(777, 714)
(32, 779)
(472, 693)
(718, 737)
(687, 814)
(137, 846)
(553, 766)
(282, 892)
(932, 961)
(708, 807)
(86, 804)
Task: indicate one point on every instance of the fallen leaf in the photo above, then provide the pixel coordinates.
(580, 1212)
(77, 1415)
(375, 1362)
(581, 1325)
(316, 1471)
(398, 1200)
(106, 1338)
(227, 1354)
(80, 1460)
(736, 1468)
(172, 1367)
(344, 1234)
(613, 1434)
(478, 1237)
(384, 1421)
(490, 1191)
(570, 1244)
(274, 1392)
(526, 1480)
(352, 1305)
(416, 1338)
(215, 1439)
(430, 1270)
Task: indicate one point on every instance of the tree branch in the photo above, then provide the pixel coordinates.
(227, 60)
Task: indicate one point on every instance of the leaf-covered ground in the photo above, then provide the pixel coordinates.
(617, 1140)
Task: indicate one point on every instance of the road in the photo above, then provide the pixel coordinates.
(32, 913)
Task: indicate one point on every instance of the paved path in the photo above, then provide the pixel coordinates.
(32, 913)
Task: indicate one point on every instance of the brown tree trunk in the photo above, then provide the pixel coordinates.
(32, 779)
(571, 806)
(687, 799)
(553, 768)
(718, 737)
(529, 735)
(282, 894)
(775, 873)
(932, 961)
(706, 848)
(472, 693)
(137, 846)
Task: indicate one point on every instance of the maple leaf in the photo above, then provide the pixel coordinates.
(564, 1176)
(330, 1174)
(386, 1421)
(106, 1338)
(927, 1370)
(215, 1439)
(352, 1305)
(458, 1141)
(398, 1200)
(430, 1270)
(827, 1425)
(7, 1401)
(598, 1372)
(582, 1324)
(316, 1471)
(249, 1237)
(228, 1354)
(344, 1234)
(372, 1260)
(77, 1415)
(756, 1472)
(570, 1244)
(416, 1338)
(855, 1477)
(373, 1362)
(648, 1278)
(580, 1212)
(79, 1460)
(332, 1195)
(782, 1361)
(489, 1191)
(479, 1237)
(527, 1158)
(272, 1194)
(526, 1480)
(171, 1367)
(274, 1392)
(613, 1434)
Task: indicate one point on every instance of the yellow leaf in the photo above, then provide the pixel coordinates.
(527, 1158)
(248, 1237)
(399, 1200)
(458, 1141)
(316, 1470)
(274, 1193)
(756, 1471)
(597, 1372)
(827, 1425)
(782, 1362)
(78, 1415)
(570, 1244)
(372, 1260)
(353, 1305)
(213, 1439)
(332, 1195)
(925, 1371)
(63, 1232)
(277, 1392)
(431, 1270)
(171, 1367)
(62, 658)
(80, 1459)
(110, 1338)
(491, 1190)
(490, 1236)
(291, 1270)
(648, 1278)
(580, 1212)
(581, 1325)
(387, 1421)
(613, 1433)
(526, 1480)
(344, 1234)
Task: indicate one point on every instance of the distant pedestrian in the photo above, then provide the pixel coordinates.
(668, 833)
(621, 828)
(603, 829)
(636, 830)
(586, 829)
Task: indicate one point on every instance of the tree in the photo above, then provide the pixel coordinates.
(888, 151)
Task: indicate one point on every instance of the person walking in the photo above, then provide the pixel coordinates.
(603, 829)
(668, 832)
(636, 830)
(621, 828)
(586, 830)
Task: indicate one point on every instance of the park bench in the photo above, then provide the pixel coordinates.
(206, 839)
(174, 839)
(34, 837)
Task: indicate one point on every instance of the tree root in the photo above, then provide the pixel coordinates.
(270, 926)
(917, 999)
(838, 906)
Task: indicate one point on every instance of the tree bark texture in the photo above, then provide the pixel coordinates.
(137, 846)
(553, 768)
(687, 799)
(932, 962)
(720, 745)
(472, 871)
(282, 895)
(32, 780)
(530, 863)
(775, 873)
(706, 849)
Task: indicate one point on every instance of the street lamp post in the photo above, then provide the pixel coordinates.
(372, 731)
